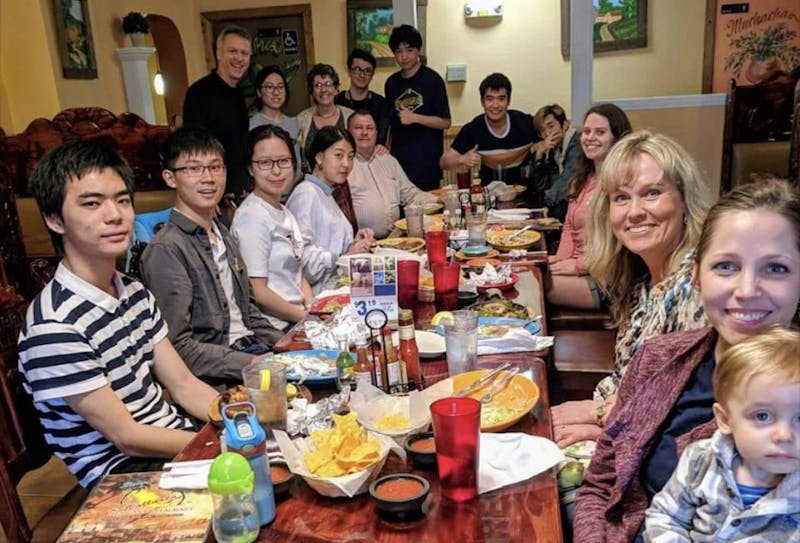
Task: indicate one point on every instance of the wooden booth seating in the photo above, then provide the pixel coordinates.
(581, 358)
(758, 129)
(25, 246)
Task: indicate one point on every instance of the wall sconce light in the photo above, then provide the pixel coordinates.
(158, 84)
(483, 8)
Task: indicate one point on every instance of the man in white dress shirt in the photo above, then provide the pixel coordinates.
(378, 184)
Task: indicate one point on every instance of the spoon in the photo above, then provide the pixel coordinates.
(501, 384)
(518, 232)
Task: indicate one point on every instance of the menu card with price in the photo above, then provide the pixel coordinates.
(373, 285)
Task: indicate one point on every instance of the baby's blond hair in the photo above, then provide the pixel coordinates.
(775, 352)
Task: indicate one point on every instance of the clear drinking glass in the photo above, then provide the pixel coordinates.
(271, 406)
(461, 341)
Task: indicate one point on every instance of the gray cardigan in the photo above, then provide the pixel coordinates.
(178, 267)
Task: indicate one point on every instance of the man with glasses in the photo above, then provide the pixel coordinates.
(361, 67)
(196, 272)
(216, 103)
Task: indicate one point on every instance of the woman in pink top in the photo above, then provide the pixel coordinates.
(568, 284)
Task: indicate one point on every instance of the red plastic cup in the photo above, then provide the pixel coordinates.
(436, 240)
(407, 284)
(456, 430)
(463, 178)
(445, 285)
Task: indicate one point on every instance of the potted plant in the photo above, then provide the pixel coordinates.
(136, 25)
(768, 53)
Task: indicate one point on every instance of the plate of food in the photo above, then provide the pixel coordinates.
(508, 405)
(502, 285)
(431, 207)
(329, 304)
(411, 245)
(498, 307)
(500, 239)
(491, 254)
(480, 263)
(310, 366)
(429, 222)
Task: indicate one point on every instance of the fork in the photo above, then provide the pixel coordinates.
(501, 384)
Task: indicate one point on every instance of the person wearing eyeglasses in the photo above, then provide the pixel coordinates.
(361, 66)
(277, 258)
(195, 270)
(272, 93)
(323, 84)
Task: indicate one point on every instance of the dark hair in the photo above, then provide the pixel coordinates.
(265, 132)
(321, 70)
(72, 161)
(495, 81)
(261, 76)
(363, 55)
(619, 124)
(405, 34)
(233, 29)
(189, 141)
(555, 110)
(361, 113)
(325, 138)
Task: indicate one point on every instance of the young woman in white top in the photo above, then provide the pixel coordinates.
(321, 221)
(277, 259)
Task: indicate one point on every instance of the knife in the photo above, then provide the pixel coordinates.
(482, 381)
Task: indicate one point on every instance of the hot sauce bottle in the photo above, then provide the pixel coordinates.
(409, 353)
(364, 369)
(393, 370)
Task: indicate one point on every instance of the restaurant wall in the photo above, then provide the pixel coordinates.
(698, 129)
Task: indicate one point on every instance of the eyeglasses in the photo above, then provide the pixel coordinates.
(324, 85)
(273, 88)
(362, 71)
(197, 170)
(266, 164)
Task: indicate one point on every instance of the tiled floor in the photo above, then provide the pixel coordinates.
(41, 489)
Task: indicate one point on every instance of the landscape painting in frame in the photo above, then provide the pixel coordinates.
(75, 39)
(369, 25)
(618, 25)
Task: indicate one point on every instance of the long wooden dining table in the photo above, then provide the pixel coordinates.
(524, 511)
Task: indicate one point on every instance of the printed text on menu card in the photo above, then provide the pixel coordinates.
(373, 284)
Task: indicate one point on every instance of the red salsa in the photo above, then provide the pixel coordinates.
(424, 445)
(399, 489)
(279, 473)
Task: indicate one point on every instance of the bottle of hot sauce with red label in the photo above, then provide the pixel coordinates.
(364, 370)
(393, 371)
(409, 352)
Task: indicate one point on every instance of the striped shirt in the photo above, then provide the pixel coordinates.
(77, 339)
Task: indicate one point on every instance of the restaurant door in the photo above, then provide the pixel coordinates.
(281, 35)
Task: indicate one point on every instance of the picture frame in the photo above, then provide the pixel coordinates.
(614, 30)
(74, 33)
(749, 42)
(369, 24)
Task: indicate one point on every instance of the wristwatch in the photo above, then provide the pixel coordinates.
(599, 413)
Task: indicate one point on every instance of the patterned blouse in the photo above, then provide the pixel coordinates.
(671, 305)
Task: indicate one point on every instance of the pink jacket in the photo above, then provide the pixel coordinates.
(611, 503)
(571, 245)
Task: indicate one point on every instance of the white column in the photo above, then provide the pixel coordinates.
(581, 56)
(405, 12)
(137, 81)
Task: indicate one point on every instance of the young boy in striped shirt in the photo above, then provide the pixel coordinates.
(93, 351)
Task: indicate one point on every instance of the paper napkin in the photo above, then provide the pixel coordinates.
(509, 458)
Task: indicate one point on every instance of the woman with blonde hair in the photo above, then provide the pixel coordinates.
(644, 222)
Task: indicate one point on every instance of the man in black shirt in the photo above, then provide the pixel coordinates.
(361, 67)
(216, 104)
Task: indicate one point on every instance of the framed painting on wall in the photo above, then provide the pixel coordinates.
(618, 25)
(370, 23)
(749, 42)
(74, 33)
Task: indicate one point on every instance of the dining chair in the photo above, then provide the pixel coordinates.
(23, 449)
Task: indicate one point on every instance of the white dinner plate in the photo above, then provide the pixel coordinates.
(430, 344)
